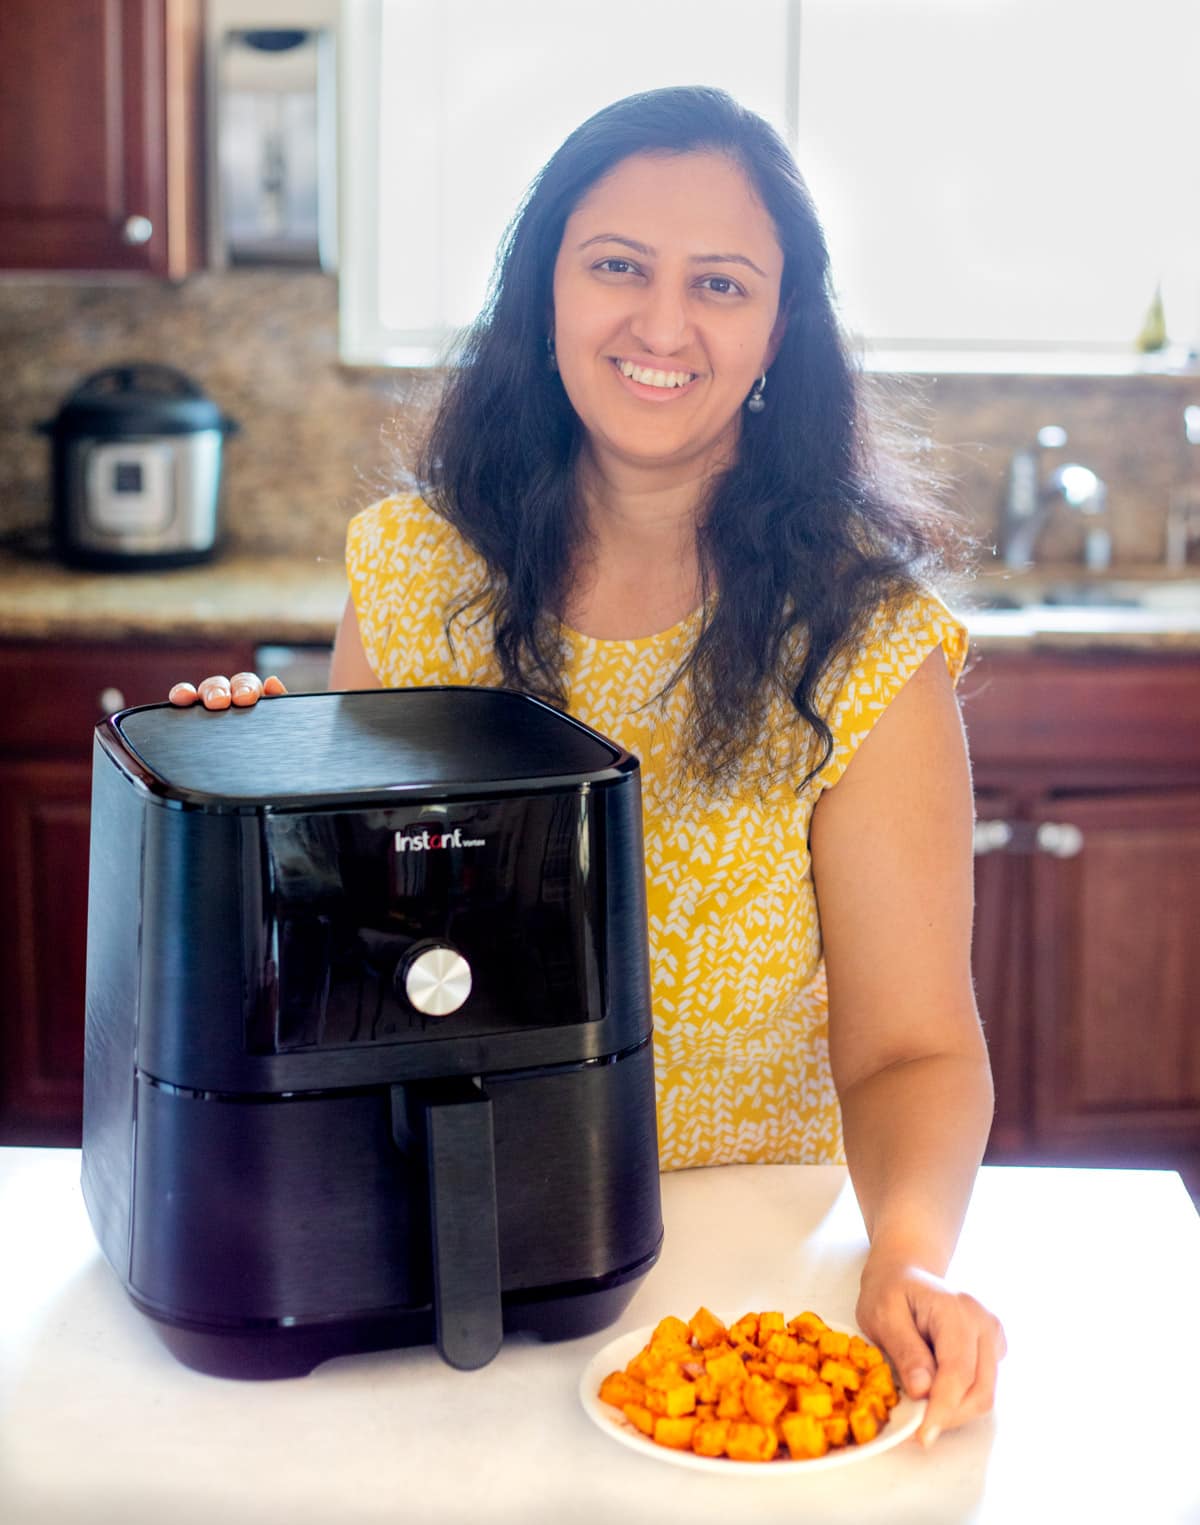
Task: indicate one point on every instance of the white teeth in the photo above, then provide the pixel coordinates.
(654, 378)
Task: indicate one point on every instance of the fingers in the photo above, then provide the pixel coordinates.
(214, 693)
(218, 693)
(969, 1347)
(245, 688)
(944, 1344)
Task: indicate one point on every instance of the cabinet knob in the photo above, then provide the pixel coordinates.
(110, 700)
(991, 837)
(1060, 839)
(137, 230)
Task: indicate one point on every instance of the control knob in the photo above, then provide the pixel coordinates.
(435, 978)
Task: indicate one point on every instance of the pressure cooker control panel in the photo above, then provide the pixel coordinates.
(458, 918)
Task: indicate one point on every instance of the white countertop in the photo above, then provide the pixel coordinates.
(1095, 1273)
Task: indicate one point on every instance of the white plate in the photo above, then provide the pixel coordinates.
(903, 1421)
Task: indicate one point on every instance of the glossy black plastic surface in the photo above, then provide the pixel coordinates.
(329, 749)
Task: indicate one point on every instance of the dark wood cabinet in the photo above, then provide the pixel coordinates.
(55, 695)
(1087, 948)
(101, 117)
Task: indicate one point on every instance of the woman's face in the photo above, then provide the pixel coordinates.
(666, 310)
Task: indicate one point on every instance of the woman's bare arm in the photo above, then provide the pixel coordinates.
(349, 667)
(892, 863)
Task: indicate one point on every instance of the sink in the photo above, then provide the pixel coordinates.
(1175, 596)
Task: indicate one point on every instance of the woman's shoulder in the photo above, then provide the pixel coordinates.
(910, 624)
(401, 519)
(403, 532)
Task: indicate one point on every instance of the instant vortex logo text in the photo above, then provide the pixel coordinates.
(433, 841)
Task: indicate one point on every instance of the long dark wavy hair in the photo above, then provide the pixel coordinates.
(801, 538)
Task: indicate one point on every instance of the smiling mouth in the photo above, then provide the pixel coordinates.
(651, 378)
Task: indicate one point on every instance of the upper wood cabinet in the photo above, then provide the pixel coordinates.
(101, 118)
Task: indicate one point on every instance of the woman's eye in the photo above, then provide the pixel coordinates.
(722, 285)
(615, 266)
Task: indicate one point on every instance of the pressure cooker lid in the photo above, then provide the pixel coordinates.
(136, 399)
(326, 749)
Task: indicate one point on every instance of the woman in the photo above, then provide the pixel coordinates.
(648, 496)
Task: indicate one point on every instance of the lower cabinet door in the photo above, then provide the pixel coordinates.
(44, 830)
(1115, 937)
(1001, 970)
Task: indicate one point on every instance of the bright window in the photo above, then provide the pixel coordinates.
(997, 178)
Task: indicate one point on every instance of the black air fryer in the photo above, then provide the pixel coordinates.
(368, 1056)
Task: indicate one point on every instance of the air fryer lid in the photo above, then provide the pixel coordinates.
(309, 749)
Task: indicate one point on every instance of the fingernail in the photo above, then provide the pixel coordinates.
(918, 1381)
(929, 1435)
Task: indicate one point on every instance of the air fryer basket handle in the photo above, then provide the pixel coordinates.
(463, 1224)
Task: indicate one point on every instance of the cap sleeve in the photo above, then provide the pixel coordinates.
(898, 640)
(403, 562)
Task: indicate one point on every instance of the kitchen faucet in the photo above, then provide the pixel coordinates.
(1030, 502)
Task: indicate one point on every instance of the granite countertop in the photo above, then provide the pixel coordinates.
(237, 597)
(297, 600)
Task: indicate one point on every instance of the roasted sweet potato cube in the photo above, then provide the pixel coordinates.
(764, 1368)
(709, 1436)
(807, 1352)
(708, 1389)
(834, 1343)
(817, 1401)
(874, 1404)
(744, 1329)
(618, 1388)
(711, 1352)
(706, 1328)
(678, 1396)
(807, 1326)
(725, 1369)
(768, 1324)
(729, 1404)
(751, 1442)
(764, 1400)
(837, 1428)
(839, 1374)
(804, 1435)
(781, 1345)
(879, 1380)
(676, 1433)
(796, 1373)
(651, 1363)
(863, 1424)
(706, 1411)
(671, 1330)
(638, 1414)
(859, 1353)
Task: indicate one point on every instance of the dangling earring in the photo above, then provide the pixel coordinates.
(551, 357)
(756, 402)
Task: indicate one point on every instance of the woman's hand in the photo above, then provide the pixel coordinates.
(944, 1345)
(242, 690)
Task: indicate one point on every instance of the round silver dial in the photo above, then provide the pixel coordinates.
(437, 981)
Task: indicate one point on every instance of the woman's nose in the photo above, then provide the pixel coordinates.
(661, 323)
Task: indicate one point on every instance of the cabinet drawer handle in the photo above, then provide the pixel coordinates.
(137, 230)
(1060, 839)
(991, 837)
(111, 700)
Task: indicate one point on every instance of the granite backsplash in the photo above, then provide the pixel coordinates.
(319, 439)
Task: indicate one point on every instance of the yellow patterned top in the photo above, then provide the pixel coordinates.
(740, 1006)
